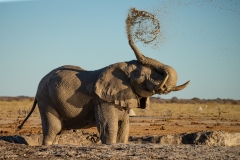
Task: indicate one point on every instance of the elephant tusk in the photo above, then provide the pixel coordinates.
(160, 86)
(178, 88)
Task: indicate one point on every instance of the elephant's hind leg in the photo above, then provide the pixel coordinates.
(51, 126)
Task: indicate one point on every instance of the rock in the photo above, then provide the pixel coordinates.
(131, 113)
(220, 138)
(215, 138)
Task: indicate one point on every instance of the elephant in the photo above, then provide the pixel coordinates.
(70, 97)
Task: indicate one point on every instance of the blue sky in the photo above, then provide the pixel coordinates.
(200, 39)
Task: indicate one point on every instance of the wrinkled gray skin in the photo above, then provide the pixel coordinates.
(70, 97)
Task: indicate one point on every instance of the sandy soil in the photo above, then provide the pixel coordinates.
(139, 126)
(139, 146)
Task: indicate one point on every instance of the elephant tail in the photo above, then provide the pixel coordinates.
(29, 114)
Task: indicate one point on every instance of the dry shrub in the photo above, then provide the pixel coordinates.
(174, 100)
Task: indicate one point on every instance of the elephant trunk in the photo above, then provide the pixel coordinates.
(170, 75)
(160, 67)
(141, 58)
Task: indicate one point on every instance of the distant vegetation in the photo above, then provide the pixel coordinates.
(18, 98)
(194, 101)
(153, 99)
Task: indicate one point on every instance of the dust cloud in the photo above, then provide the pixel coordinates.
(142, 26)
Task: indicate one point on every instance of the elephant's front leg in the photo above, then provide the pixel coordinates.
(123, 127)
(107, 122)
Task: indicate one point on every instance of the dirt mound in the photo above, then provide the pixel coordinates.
(215, 138)
(81, 138)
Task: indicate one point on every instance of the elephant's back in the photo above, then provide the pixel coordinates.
(59, 75)
(68, 88)
(71, 68)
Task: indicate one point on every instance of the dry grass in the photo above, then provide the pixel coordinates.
(20, 108)
(211, 110)
(17, 108)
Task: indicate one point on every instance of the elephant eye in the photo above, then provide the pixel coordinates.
(142, 74)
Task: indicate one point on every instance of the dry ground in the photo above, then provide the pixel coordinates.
(161, 119)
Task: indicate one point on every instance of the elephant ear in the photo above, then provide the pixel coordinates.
(113, 85)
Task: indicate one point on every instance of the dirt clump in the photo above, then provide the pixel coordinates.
(142, 26)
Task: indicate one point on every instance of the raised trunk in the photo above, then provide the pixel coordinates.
(146, 60)
(170, 75)
(160, 67)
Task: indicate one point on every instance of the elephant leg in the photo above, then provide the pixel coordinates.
(123, 129)
(107, 122)
(51, 126)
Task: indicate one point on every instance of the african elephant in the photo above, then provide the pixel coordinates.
(70, 97)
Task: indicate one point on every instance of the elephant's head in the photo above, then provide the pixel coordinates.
(160, 78)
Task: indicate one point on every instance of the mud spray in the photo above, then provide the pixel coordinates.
(142, 26)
